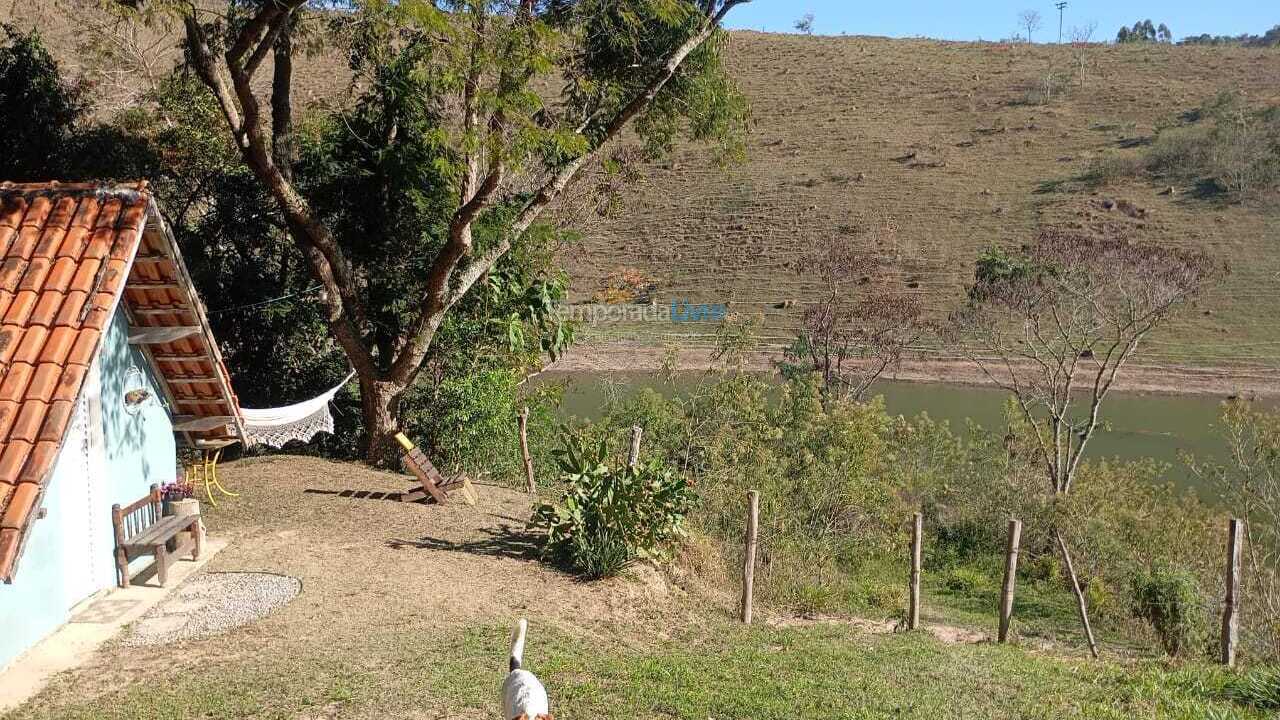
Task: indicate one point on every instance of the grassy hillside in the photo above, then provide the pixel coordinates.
(952, 141)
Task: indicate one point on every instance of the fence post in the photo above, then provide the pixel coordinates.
(749, 562)
(917, 538)
(1231, 608)
(1010, 578)
(633, 457)
(529, 485)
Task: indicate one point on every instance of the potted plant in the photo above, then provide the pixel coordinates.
(179, 498)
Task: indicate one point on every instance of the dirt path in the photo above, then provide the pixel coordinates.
(1221, 382)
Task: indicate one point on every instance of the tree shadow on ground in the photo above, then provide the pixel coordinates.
(505, 541)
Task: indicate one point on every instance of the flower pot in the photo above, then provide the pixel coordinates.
(183, 508)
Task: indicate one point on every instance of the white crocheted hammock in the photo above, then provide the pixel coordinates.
(300, 421)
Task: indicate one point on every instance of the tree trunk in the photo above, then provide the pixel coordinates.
(1081, 607)
(380, 407)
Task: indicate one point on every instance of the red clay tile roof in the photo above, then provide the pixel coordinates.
(68, 254)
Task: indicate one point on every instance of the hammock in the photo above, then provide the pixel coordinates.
(300, 421)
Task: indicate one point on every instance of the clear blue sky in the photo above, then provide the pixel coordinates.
(996, 19)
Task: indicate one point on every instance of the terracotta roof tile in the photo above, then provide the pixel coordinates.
(8, 415)
(82, 351)
(56, 421)
(30, 420)
(39, 461)
(20, 309)
(16, 379)
(58, 345)
(60, 275)
(69, 384)
(20, 503)
(47, 307)
(10, 339)
(31, 345)
(69, 314)
(65, 251)
(85, 276)
(12, 459)
(9, 540)
(37, 271)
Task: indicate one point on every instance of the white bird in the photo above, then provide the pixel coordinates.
(523, 696)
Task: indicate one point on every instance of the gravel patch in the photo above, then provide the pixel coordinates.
(211, 604)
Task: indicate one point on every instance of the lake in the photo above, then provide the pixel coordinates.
(1138, 425)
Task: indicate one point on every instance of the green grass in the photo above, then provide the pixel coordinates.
(722, 671)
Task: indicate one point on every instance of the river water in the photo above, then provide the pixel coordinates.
(1137, 425)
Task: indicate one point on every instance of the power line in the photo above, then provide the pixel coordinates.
(264, 303)
(1062, 6)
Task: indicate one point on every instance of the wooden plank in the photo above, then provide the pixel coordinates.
(200, 424)
(151, 285)
(162, 310)
(159, 532)
(161, 335)
(181, 358)
(191, 379)
(201, 401)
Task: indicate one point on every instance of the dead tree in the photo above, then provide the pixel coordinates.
(858, 328)
(1054, 324)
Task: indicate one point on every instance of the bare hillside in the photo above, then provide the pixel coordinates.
(952, 142)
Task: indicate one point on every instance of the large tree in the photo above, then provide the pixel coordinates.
(518, 98)
(1055, 323)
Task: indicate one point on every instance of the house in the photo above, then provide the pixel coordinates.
(107, 364)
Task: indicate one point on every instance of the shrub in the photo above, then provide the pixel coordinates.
(1259, 688)
(1170, 600)
(965, 580)
(610, 516)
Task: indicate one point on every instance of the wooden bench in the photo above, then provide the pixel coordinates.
(141, 530)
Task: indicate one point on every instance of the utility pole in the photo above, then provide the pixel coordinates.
(1062, 5)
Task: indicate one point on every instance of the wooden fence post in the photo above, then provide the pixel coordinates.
(1231, 608)
(633, 457)
(749, 562)
(917, 538)
(529, 485)
(1010, 578)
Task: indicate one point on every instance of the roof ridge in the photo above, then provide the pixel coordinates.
(131, 190)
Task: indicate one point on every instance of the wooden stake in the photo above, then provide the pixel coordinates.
(1010, 578)
(917, 540)
(1231, 608)
(529, 485)
(749, 561)
(633, 457)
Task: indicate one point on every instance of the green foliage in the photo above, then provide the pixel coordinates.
(1224, 146)
(1257, 687)
(1170, 600)
(38, 109)
(609, 516)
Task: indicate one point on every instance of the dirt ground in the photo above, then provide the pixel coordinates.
(1221, 382)
(370, 564)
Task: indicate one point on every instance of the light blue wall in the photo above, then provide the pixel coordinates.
(139, 450)
(139, 447)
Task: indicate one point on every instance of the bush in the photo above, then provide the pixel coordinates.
(610, 516)
(1170, 600)
(1259, 688)
(966, 580)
